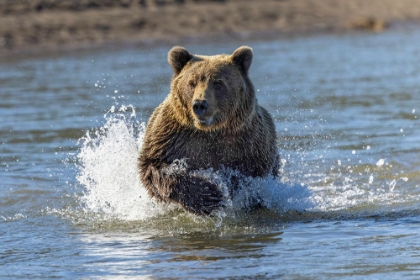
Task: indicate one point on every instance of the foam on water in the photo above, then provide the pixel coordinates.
(108, 170)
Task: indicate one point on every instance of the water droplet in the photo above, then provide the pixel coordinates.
(380, 162)
(392, 185)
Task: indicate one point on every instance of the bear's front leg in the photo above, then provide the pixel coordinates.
(197, 195)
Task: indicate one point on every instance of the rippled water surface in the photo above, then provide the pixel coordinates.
(347, 113)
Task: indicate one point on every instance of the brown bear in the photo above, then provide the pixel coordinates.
(211, 120)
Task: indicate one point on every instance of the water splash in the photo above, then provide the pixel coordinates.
(108, 170)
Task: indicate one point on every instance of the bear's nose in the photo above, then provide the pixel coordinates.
(200, 107)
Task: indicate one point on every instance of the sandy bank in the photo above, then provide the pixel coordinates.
(55, 24)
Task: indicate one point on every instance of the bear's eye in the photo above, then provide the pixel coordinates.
(218, 84)
(192, 84)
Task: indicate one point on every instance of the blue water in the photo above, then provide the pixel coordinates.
(347, 205)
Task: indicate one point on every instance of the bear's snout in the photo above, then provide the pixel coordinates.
(200, 107)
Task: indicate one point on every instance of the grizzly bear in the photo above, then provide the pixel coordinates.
(210, 120)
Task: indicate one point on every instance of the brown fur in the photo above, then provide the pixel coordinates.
(233, 132)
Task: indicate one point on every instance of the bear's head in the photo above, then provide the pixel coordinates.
(212, 93)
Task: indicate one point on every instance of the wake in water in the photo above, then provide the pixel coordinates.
(108, 171)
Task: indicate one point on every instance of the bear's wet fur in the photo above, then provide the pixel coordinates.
(210, 119)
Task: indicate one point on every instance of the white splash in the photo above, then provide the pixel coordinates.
(108, 170)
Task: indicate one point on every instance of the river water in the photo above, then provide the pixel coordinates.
(347, 111)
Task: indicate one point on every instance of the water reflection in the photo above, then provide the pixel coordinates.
(186, 254)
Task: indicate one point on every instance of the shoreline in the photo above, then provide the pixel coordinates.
(244, 38)
(126, 22)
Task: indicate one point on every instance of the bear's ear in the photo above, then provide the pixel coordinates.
(177, 58)
(242, 57)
